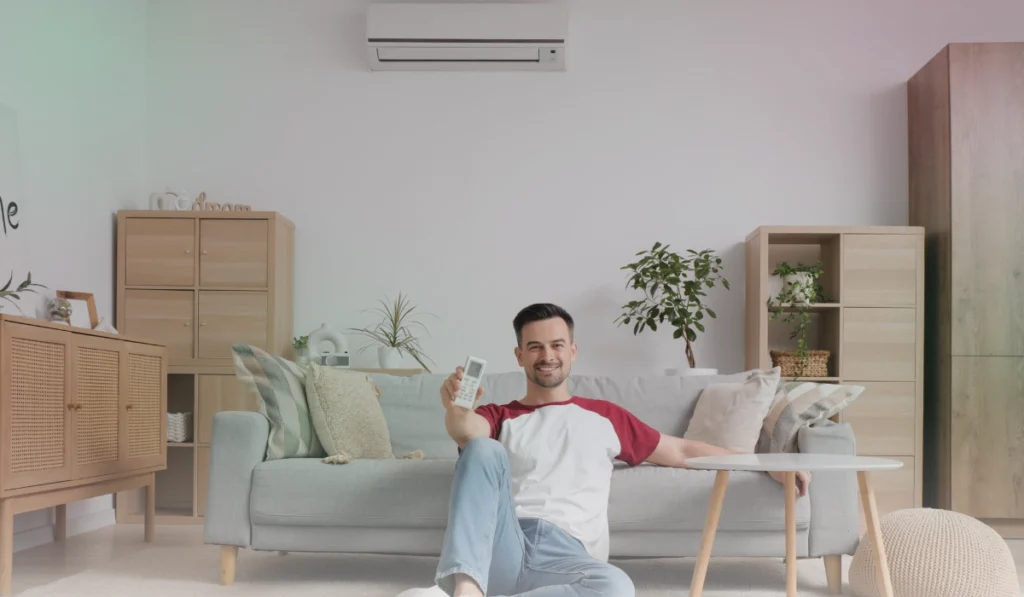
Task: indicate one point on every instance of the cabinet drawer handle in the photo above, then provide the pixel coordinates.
(129, 406)
(78, 407)
(203, 324)
(71, 406)
(204, 253)
(188, 251)
(188, 323)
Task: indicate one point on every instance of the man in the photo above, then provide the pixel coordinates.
(528, 511)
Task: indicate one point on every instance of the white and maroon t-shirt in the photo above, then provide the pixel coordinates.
(561, 457)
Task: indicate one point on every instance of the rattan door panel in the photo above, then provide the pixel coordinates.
(95, 400)
(143, 426)
(36, 421)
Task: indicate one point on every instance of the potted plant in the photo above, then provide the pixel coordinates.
(11, 296)
(674, 291)
(394, 333)
(301, 346)
(800, 289)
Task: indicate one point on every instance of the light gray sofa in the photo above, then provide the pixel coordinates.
(400, 506)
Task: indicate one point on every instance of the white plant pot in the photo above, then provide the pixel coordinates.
(389, 357)
(800, 286)
(698, 371)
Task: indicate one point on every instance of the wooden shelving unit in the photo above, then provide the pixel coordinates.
(873, 324)
(200, 281)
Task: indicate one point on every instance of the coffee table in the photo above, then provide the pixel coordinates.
(790, 464)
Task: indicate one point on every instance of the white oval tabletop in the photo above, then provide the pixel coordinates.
(792, 462)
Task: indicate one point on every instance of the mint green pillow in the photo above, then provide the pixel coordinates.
(281, 388)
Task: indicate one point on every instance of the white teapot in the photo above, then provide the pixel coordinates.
(171, 201)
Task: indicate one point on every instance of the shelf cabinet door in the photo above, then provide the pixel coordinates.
(162, 316)
(160, 252)
(96, 370)
(227, 317)
(884, 419)
(143, 406)
(219, 393)
(881, 270)
(36, 421)
(233, 253)
(879, 344)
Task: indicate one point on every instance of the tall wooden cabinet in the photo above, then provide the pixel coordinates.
(81, 415)
(201, 281)
(966, 158)
(872, 322)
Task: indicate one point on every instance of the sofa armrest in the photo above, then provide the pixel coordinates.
(238, 444)
(835, 514)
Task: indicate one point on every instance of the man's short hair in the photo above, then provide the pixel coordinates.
(540, 312)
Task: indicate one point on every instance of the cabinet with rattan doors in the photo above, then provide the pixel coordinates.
(201, 281)
(81, 415)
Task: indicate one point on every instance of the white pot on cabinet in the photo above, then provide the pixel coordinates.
(389, 357)
(698, 371)
(800, 286)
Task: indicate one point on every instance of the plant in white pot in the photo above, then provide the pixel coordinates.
(394, 334)
(674, 291)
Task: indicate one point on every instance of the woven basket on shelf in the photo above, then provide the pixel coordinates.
(179, 427)
(793, 365)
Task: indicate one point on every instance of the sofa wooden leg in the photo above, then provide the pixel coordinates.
(228, 559)
(834, 574)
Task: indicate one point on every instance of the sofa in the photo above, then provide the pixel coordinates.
(400, 506)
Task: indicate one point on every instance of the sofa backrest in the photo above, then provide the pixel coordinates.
(415, 415)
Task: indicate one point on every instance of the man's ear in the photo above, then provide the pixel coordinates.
(519, 355)
(575, 351)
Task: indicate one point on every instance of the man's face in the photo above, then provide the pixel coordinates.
(546, 352)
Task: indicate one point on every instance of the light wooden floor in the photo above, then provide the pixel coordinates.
(114, 561)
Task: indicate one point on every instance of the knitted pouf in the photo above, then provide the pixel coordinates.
(936, 553)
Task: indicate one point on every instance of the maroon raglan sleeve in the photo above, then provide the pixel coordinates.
(495, 414)
(638, 439)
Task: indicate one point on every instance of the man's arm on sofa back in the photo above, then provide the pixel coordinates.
(835, 517)
(238, 444)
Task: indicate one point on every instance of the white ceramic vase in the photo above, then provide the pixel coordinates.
(698, 371)
(389, 357)
(800, 286)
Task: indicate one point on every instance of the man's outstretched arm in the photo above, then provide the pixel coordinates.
(674, 451)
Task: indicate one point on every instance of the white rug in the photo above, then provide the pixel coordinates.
(175, 570)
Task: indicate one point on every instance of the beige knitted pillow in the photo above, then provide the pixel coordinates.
(347, 416)
(937, 553)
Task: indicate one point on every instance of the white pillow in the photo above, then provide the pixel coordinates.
(730, 415)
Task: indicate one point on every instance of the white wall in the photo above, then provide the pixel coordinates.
(72, 104)
(478, 193)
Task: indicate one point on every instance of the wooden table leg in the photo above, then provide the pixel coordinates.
(867, 500)
(6, 545)
(708, 538)
(790, 488)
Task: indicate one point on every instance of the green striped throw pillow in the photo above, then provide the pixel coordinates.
(798, 404)
(280, 385)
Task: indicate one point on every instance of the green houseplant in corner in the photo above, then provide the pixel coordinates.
(674, 288)
(395, 333)
(792, 305)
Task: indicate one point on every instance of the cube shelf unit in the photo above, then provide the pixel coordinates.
(200, 281)
(873, 324)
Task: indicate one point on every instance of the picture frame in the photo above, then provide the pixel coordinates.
(83, 309)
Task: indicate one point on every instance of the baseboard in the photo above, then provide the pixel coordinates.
(83, 523)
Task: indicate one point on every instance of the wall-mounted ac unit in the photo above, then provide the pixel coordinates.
(467, 36)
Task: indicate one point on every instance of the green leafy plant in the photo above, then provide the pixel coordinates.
(13, 295)
(792, 304)
(300, 342)
(674, 291)
(395, 329)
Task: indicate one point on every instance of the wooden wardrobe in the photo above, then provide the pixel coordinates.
(966, 147)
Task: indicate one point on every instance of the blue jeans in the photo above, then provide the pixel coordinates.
(507, 556)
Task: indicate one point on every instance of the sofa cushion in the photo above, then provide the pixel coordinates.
(363, 493)
(346, 413)
(414, 494)
(415, 415)
(653, 498)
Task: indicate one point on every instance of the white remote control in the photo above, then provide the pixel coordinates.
(472, 374)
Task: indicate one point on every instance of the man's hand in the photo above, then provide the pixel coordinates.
(462, 424)
(450, 389)
(803, 480)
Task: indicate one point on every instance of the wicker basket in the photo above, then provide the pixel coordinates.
(179, 427)
(794, 366)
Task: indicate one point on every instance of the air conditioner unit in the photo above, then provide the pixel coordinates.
(467, 36)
